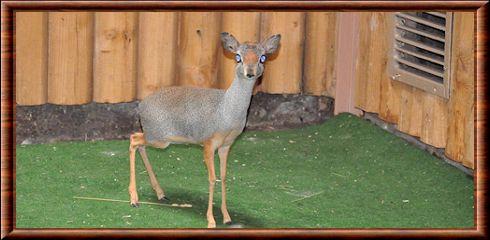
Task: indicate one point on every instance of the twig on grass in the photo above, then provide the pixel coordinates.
(125, 201)
(338, 175)
(309, 196)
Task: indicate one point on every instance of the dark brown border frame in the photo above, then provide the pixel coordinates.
(8, 229)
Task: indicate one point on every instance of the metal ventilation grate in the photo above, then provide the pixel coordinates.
(421, 50)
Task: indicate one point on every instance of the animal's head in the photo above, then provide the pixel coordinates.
(250, 57)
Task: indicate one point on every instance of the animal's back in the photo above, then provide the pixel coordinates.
(184, 112)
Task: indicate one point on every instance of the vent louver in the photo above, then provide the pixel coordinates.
(421, 50)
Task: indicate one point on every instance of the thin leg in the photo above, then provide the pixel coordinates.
(209, 161)
(223, 156)
(136, 140)
(153, 180)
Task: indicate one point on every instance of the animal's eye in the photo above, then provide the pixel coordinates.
(263, 58)
(238, 58)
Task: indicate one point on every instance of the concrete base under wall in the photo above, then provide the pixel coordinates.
(97, 121)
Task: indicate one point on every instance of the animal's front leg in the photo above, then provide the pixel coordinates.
(223, 156)
(209, 161)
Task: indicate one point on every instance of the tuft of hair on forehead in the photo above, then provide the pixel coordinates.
(255, 48)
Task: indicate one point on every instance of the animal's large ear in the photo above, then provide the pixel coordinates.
(229, 42)
(271, 44)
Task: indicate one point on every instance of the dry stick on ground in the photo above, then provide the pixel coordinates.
(309, 196)
(149, 203)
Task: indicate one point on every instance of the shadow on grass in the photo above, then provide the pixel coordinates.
(199, 202)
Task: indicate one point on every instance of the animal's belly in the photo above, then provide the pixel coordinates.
(181, 139)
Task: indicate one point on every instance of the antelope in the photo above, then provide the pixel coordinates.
(212, 118)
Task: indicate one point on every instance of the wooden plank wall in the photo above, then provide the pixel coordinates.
(31, 65)
(110, 57)
(80, 57)
(439, 122)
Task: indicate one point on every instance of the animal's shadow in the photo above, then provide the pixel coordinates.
(199, 202)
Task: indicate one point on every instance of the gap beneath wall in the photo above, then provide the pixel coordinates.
(438, 152)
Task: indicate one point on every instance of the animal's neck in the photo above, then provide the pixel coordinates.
(237, 98)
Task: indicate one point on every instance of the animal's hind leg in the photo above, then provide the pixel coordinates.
(153, 180)
(136, 140)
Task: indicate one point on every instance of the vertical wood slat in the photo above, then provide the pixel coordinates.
(198, 45)
(434, 121)
(360, 81)
(416, 112)
(368, 62)
(411, 105)
(70, 57)
(283, 71)
(244, 26)
(389, 101)
(31, 57)
(406, 103)
(320, 53)
(157, 40)
(347, 48)
(115, 57)
(460, 139)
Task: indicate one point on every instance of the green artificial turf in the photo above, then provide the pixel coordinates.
(345, 173)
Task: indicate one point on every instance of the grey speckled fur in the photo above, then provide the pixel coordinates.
(197, 113)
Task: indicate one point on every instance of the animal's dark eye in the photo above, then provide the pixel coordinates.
(238, 58)
(263, 58)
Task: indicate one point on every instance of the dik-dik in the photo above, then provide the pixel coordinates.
(212, 118)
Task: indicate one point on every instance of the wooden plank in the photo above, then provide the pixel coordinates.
(361, 72)
(115, 57)
(389, 108)
(245, 27)
(320, 53)
(347, 50)
(198, 46)
(157, 39)
(469, 140)
(434, 121)
(416, 117)
(406, 101)
(31, 32)
(460, 141)
(70, 57)
(372, 61)
(283, 71)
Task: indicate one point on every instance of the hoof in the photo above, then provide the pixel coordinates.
(229, 223)
(211, 225)
(164, 198)
(135, 205)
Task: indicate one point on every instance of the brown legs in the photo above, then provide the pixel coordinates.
(223, 156)
(153, 180)
(209, 161)
(209, 149)
(137, 141)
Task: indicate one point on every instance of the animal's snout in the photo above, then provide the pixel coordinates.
(250, 71)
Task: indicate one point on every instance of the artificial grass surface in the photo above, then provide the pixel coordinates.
(345, 173)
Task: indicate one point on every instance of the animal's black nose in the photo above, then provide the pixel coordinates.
(250, 75)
